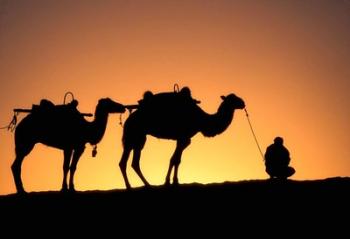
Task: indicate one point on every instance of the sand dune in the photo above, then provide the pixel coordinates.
(324, 203)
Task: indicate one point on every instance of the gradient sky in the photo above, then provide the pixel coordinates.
(289, 60)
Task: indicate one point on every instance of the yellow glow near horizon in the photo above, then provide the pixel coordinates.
(288, 60)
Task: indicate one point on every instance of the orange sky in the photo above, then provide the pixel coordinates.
(289, 61)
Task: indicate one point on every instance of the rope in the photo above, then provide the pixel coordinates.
(12, 125)
(251, 128)
(121, 120)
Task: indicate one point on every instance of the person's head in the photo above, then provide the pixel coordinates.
(278, 140)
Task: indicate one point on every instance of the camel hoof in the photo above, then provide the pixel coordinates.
(127, 186)
(175, 185)
(167, 185)
(167, 182)
(148, 185)
(21, 192)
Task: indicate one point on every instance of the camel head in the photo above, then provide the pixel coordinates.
(233, 101)
(110, 106)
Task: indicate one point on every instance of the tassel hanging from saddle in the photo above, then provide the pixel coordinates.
(94, 151)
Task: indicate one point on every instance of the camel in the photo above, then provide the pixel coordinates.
(174, 116)
(62, 127)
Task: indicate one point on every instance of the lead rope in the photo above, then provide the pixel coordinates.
(256, 140)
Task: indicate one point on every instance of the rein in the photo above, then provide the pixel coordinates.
(255, 138)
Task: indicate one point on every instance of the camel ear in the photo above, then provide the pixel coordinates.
(223, 97)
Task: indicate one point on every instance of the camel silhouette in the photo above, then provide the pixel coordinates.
(62, 127)
(176, 116)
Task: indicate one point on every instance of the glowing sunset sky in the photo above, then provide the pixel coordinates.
(289, 60)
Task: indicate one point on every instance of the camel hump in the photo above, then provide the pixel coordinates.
(183, 97)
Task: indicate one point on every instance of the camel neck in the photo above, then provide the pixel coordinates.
(217, 123)
(98, 126)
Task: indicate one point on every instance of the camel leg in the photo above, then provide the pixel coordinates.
(176, 159)
(167, 179)
(66, 162)
(76, 156)
(16, 167)
(182, 145)
(123, 164)
(16, 172)
(136, 165)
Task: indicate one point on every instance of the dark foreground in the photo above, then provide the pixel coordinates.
(228, 206)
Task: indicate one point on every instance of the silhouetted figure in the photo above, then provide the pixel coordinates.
(176, 116)
(62, 127)
(277, 160)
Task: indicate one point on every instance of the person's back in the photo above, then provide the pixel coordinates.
(277, 159)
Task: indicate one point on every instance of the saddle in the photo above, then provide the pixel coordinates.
(47, 107)
(47, 110)
(182, 97)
